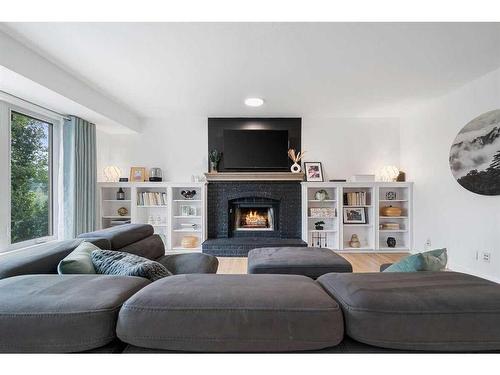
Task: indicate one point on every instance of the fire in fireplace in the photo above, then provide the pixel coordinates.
(258, 218)
(253, 214)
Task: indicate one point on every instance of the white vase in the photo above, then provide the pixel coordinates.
(295, 168)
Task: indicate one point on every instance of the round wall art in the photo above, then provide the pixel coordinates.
(475, 155)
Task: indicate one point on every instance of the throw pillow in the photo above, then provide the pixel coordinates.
(79, 260)
(412, 263)
(118, 263)
(434, 260)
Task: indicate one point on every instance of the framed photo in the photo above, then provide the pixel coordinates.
(137, 174)
(354, 215)
(314, 171)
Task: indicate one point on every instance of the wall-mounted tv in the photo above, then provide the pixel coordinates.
(254, 144)
(256, 149)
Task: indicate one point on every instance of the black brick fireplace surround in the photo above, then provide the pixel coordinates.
(223, 241)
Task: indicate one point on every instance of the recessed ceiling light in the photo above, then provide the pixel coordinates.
(254, 102)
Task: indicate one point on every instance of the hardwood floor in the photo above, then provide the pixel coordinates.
(360, 262)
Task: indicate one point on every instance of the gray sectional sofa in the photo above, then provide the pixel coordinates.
(196, 311)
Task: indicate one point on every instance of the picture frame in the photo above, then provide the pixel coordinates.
(313, 171)
(138, 174)
(354, 215)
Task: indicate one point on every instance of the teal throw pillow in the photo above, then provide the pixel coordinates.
(412, 263)
(434, 260)
(79, 260)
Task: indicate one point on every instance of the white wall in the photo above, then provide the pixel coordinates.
(179, 146)
(445, 212)
(176, 145)
(348, 146)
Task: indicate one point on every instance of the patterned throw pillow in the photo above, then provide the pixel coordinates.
(118, 263)
(435, 260)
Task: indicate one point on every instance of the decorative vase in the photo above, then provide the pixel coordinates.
(213, 167)
(321, 195)
(354, 242)
(391, 242)
(295, 168)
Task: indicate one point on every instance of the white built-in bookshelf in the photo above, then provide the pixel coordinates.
(371, 197)
(160, 204)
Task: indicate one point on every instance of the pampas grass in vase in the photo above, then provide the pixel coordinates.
(295, 157)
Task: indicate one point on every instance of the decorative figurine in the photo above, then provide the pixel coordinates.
(354, 242)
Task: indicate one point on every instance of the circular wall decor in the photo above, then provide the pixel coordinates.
(475, 154)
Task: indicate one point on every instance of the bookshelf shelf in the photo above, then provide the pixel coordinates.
(370, 196)
(140, 201)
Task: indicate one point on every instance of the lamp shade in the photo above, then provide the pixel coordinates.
(389, 173)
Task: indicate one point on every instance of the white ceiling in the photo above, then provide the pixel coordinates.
(304, 69)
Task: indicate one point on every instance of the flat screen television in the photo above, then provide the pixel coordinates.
(256, 149)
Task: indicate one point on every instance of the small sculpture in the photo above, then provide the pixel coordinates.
(122, 211)
(354, 242)
(188, 194)
(391, 242)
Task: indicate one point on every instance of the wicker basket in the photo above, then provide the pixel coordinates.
(391, 211)
(189, 242)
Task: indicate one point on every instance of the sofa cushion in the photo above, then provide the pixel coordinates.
(79, 260)
(40, 259)
(122, 235)
(231, 313)
(189, 263)
(307, 261)
(151, 247)
(61, 313)
(111, 262)
(434, 311)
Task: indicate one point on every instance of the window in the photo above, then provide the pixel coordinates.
(31, 184)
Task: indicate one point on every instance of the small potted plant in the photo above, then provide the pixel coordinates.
(319, 225)
(214, 157)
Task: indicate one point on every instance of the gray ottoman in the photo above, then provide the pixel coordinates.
(431, 311)
(307, 261)
(231, 313)
(61, 313)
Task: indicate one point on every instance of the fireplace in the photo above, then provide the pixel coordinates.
(243, 215)
(253, 214)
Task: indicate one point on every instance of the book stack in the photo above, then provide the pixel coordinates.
(357, 198)
(148, 198)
